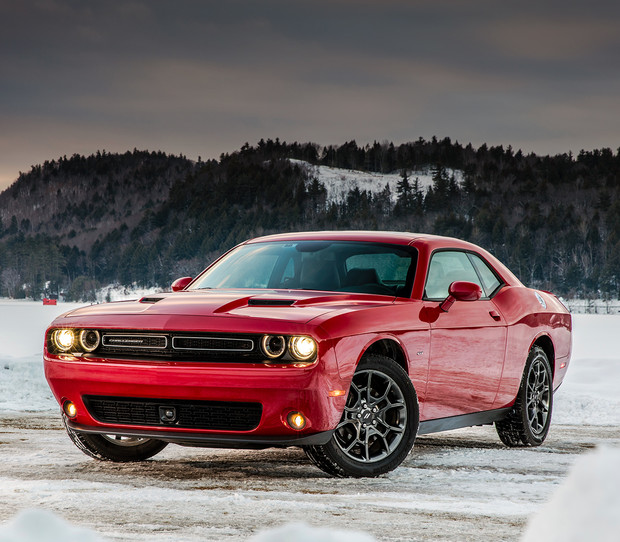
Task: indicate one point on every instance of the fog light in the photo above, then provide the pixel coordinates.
(70, 409)
(296, 420)
(64, 339)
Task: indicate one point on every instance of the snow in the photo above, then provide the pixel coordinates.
(449, 486)
(118, 292)
(301, 532)
(590, 394)
(339, 181)
(44, 526)
(586, 506)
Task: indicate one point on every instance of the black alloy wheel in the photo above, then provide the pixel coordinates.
(528, 422)
(378, 426)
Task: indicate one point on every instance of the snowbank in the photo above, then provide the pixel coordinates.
(44, 526)
(586, 506)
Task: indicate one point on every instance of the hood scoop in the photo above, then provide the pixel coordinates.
(265, 302)
(151, 300)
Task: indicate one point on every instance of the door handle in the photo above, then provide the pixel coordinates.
(495, 315)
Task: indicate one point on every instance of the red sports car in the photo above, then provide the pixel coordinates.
(348, 344)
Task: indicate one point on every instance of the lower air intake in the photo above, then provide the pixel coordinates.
(214, 415)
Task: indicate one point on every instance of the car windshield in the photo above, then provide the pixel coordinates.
(370, 268)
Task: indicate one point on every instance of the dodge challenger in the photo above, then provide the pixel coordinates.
(347, 344)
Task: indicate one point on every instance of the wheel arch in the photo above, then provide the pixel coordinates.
(545, 342)
(390, 348)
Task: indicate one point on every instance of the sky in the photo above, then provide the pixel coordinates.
(203, 77)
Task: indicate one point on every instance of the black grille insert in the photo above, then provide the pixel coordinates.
(180, 346)
(134, 340)
(212, 343)
(215, 415)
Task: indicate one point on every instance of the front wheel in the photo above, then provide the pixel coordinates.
(378, 426)
(528, 422)
(115, 447)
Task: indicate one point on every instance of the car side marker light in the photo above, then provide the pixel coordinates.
(337, 393)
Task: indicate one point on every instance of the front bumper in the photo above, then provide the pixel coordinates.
(249, 441)
(278, 389)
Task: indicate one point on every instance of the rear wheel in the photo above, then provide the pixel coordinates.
(529, 420)
(115, 447)
(378, 426)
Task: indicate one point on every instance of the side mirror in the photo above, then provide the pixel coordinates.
(181, 283)
(461, 291)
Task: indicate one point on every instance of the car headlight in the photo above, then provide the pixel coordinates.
(273, 345)
(89, 339)
(302, 348)
(63, 339)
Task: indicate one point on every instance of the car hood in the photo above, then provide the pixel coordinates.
(293, 306)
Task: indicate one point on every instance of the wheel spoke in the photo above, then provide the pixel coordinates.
(378, 400)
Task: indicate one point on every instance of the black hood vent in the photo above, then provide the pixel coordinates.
(151, 299)
(262, 302)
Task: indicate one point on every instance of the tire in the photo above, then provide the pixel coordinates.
(378, 426)
(528, 422)
(114, 447)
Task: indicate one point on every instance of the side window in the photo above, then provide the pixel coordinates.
(446, 267)
(490, 282)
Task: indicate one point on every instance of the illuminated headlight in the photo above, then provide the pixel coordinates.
(63, 339)
(89, 339)
(302, 348)
(273, 345)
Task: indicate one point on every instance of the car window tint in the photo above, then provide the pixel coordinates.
(490, 282)
(370, 268)
(261, 262)
(445, 268)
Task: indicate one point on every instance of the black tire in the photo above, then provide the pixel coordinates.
(115, 448)
(528, 422)
(378, 426)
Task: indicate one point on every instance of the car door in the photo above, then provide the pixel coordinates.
(468, 342)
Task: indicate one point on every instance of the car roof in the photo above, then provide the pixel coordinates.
(392, 237)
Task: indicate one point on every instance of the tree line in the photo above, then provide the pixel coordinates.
(554, 220)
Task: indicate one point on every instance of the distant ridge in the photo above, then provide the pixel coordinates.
(72, 224)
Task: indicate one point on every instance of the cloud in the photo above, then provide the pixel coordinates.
(203, 77)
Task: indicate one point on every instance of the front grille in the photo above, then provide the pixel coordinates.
(180, 346)
(214, 415)
(212, 343)
(134, 340)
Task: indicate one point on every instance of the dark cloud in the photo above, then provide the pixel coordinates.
(202, 77)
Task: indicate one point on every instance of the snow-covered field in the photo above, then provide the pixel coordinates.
(460, 485)
(339, 181)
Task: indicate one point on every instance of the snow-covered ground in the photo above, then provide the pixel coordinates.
(338, 181)
(460, 485)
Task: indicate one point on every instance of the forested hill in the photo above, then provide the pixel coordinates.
(76, 223)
